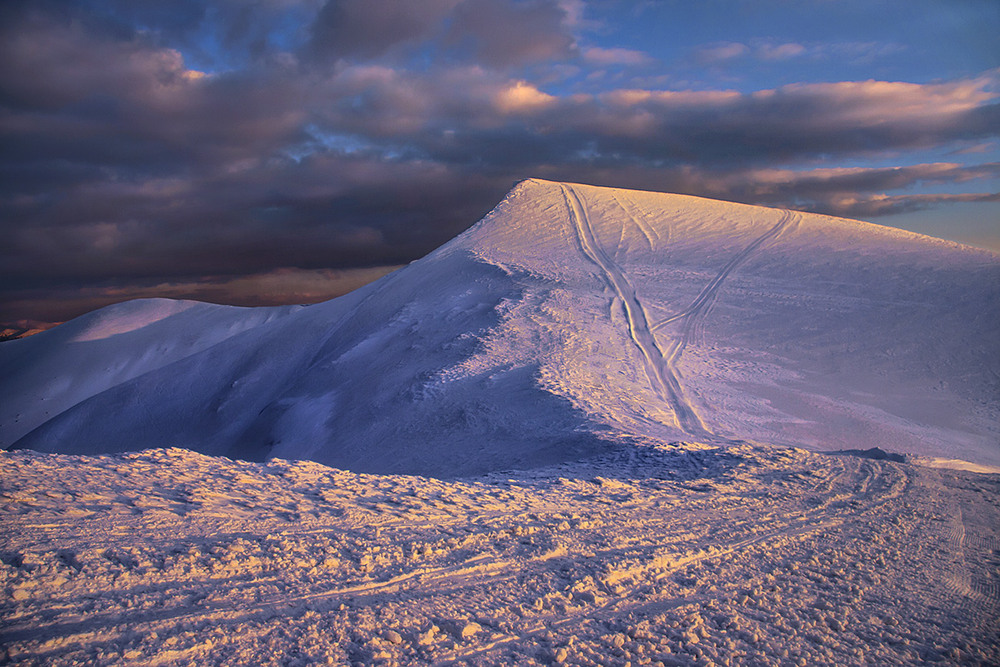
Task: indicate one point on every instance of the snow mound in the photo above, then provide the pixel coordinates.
(570, 320)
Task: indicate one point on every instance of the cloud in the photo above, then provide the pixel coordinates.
(719, 53)
(885, 178)
(492, 33)
(121, 163)
(797, 121)
(221, 35)
(127, 103)
(430, 111)
(522, 97)
(371, 28)
(117, 160)
(780, 51)
(596, 55)
(880, 205)
(55, 64)
(327, 210)
(502, 33)
(981, 147)
(845, 191)
(725, 52)
(858, 53)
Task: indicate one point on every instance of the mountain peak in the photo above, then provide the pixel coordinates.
(571, 320)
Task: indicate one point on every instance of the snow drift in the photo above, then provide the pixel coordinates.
(570, 320)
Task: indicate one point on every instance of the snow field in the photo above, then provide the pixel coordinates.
(672, 555)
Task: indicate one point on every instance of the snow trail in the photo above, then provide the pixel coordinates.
(661, 369)
(703, 303)
(971, 550)
(662, 376)
(647, 231)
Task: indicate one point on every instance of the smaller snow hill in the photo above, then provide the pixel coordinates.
(570, 320)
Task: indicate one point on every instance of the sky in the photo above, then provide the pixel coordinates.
(288, 151)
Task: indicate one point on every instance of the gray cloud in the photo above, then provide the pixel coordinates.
(837, 190)
(502, 32)
(371, 28)
(495, 33)
(721, 54)
(872, 206)
(713, 54)
(617, 56)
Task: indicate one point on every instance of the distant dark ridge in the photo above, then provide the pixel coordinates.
(12, 334)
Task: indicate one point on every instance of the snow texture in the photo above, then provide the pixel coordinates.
(571, 321)
(741, 555)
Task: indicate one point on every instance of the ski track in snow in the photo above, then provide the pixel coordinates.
(744, 554)
(647, 231)
(660, 371)
(693, 315)
(973, 549)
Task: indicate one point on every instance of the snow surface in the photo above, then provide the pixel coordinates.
(612, 388)
(572, 320)
(743, 555)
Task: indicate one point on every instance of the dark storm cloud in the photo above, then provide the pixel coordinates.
(123, 167)
(469, 114)
(68, 95)
(788, 123)
(821, 185)
(222, 33)
(324, 211)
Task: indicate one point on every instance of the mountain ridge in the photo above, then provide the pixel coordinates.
(569, 320)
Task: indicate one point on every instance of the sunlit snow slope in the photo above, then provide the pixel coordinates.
(569, 320)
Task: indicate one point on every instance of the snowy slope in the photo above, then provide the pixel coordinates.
(50, 372)
(570, 320)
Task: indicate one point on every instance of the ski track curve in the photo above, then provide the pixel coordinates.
(661, 375)
(647, 231)
(706, 298)
(661, 368)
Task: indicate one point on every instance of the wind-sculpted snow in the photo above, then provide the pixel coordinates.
(741, 555)
(571, 321)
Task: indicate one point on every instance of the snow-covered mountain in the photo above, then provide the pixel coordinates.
(570, 320)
